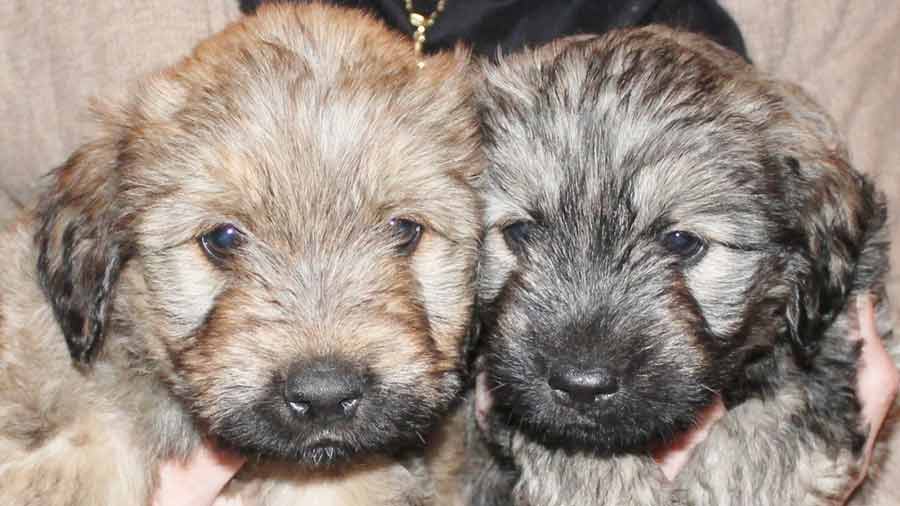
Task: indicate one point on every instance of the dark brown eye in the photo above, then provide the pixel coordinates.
(407, 234)
(219, 242)
(516, 235)
(684, 244)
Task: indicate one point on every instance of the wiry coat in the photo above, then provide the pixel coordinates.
(313, 134)
(672, 225)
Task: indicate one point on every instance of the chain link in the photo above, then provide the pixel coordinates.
(421, 23)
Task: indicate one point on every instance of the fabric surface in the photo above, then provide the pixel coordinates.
(55, 55)
(507, 25)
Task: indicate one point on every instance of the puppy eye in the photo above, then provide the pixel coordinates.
(407, 234)
(516, 234)
(220, 241)
(684, 244)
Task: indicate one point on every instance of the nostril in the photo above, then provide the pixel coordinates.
(583, 386)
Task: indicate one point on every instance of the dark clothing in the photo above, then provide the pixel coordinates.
(511, 24)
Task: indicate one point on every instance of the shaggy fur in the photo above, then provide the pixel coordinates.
(292, 201)
(666, 224)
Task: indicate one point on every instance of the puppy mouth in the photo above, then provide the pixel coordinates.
(381, 424)
(258, 435)
(326, 453)
(620, 423)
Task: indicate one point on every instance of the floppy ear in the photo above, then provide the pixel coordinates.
(837, 216)
(80, 246)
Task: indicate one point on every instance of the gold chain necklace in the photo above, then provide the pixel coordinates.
(421, 23)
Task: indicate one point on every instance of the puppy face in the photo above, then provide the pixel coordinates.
(285, 225)
(660, 219)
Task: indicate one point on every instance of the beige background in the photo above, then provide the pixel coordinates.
(55, 55)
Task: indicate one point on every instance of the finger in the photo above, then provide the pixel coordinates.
(198, 480)
(877, 381)
(673, 457)
(483, 401)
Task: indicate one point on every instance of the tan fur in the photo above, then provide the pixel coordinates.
(308, 128)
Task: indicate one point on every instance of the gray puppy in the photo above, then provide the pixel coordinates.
(665, 225)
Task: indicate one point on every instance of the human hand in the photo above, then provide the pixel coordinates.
(198, 480)
(877, 381)
(877, 386)
(675, 454)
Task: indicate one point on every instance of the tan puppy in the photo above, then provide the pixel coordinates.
(272, 242)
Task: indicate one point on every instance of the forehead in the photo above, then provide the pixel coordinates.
(275, 136)
(595, 135)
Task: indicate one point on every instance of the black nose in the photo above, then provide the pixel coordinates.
(583, 386)
(324, 389)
